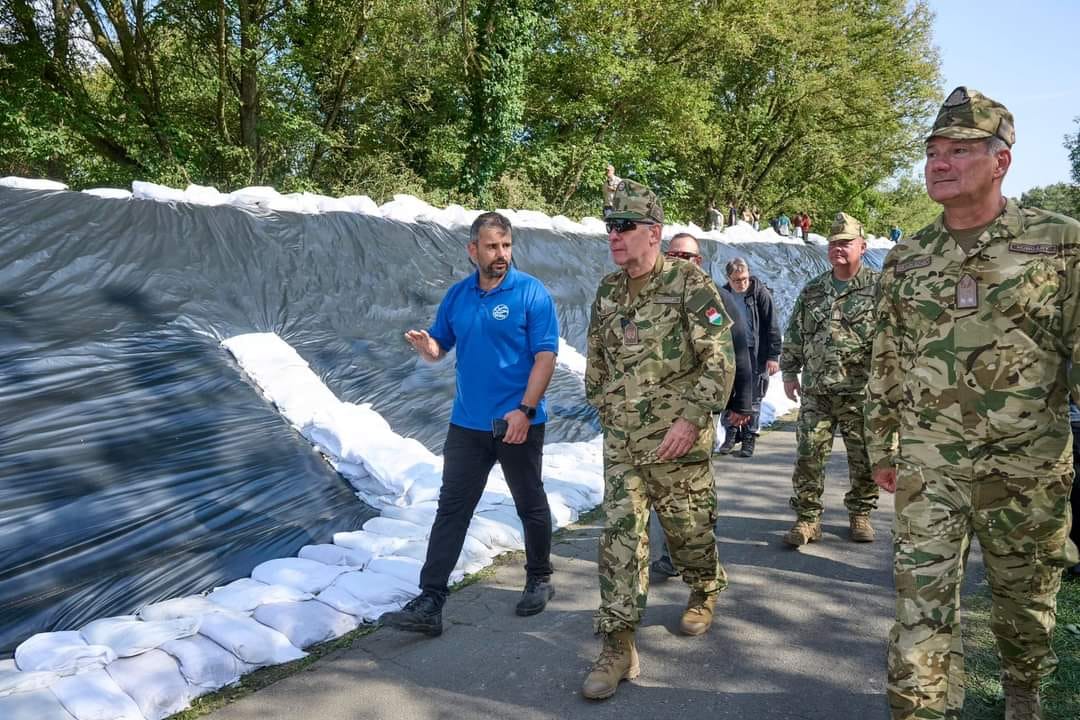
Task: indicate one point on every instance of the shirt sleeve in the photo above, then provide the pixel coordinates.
(710, 337)
(442, 330)
(791, 354)
(596, 370)
(542, 322)
(883, 395)
(767, 319)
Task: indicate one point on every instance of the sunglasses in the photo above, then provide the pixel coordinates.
(682, 255)
(624, 226)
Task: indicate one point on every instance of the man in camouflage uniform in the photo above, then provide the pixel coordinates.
(967, 415)
(828, 339)
(660, 362)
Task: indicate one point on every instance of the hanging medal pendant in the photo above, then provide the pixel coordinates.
(967, 293)
(630, 333)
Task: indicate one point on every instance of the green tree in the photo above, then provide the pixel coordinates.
(1072, 144)
(1060, 198)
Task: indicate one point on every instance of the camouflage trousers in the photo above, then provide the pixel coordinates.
(684, 497)
(819, 416)
(1022, 525)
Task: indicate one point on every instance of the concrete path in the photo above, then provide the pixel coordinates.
(800, 634)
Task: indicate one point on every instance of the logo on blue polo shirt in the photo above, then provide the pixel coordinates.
(500, 312)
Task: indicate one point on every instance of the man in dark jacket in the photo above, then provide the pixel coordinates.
(763, 341)
(684, 246)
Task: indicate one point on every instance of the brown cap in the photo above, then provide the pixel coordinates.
(969, 115)
(845, 227)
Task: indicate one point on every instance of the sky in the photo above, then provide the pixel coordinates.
(1022, 54)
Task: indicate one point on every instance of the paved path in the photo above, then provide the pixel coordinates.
(800, 634)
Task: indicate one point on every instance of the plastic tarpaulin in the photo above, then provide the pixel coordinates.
(136, 461)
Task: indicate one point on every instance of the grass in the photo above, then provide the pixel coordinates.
(1060, 693)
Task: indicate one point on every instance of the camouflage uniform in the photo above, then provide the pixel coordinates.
(664, 355)
(828, 339)
(968, 400)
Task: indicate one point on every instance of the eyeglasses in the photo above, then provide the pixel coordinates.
(624, 226)
(682, 255)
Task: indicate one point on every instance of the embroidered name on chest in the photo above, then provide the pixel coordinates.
(1033, 248)
(912, 264)
(667, 299)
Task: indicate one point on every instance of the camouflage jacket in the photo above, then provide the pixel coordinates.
(828, 335)
(665, 355)
(977, 379)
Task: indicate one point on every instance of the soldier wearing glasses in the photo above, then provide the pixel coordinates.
(660, 363)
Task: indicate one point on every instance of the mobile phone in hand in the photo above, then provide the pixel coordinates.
(499, 427)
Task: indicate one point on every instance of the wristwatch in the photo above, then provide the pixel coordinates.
(530, 412)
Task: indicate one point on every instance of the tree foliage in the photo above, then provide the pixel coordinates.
(787, 104)
(1060, 198)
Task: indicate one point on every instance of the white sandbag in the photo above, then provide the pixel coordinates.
(192, 606)
(94, 695)
(109, 193)
(64, 652)
(302, 574)
(368, 595)
(206, 665)
(33, 705)
(127, 635)
(31, 184)
(403, 568)
(246, 594)
(248, 640)
(13, 680)
(305, 623)
(493, 529)
(395, 528)
(369, 542)
(330, 554)
(421, 514)
(153, 680)
(562, 514)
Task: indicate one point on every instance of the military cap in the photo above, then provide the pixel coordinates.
(969, 115)
(634, 201)
(845, 227)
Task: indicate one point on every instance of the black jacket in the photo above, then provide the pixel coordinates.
(741, 400)
(764, 339)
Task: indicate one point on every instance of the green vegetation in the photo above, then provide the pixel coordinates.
(787, 104)
(1060, 198)
(1061, 693)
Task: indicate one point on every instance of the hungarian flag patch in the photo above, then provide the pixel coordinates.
(714, 316)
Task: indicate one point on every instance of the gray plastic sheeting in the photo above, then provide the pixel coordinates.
(136, 462)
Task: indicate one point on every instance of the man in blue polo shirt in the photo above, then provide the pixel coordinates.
(503, 324)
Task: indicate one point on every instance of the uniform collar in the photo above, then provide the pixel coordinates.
(1009, 224)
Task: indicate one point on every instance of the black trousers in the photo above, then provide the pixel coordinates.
(468, 457)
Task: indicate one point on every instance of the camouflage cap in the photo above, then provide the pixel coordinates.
(845, 227)
(969, 115)
(634, 201)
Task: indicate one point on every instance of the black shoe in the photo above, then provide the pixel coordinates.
(730, 438)
(422, 614)
(1073, 573)
(748, 446)
(535, 596)
(663, 567)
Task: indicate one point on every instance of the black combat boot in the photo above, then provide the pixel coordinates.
(731, 436)
(535, 596)
(422, 614)
(749, 439)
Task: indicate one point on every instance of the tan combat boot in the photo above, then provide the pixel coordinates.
(860, 528)
(618, 661)
(698, 615)
(1022, 703)
(802, 532)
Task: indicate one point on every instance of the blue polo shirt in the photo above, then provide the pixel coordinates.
(497, 333)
